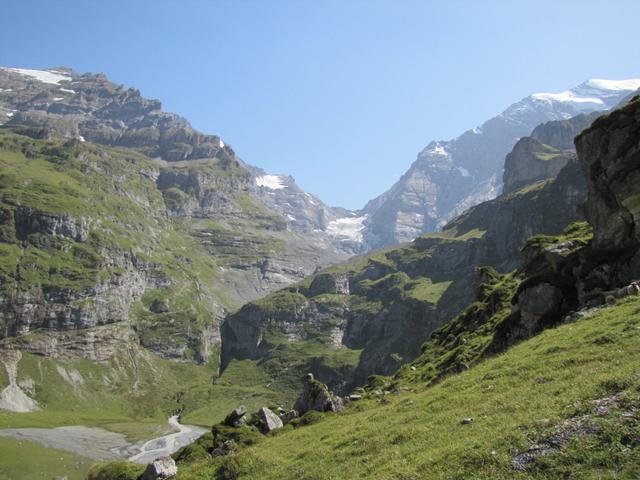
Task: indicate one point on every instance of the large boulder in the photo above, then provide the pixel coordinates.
(160, 469)
(269, 421)
(317, 396)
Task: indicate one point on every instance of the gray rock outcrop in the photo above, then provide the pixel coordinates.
(317, 396)
(332, 283)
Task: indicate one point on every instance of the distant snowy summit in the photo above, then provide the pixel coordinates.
(450, 176)
(591, 94)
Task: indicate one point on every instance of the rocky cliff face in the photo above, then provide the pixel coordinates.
(531, 161)
(610, 151)
(64, 103)
(450, 176)
(92, 236)
(565, 275)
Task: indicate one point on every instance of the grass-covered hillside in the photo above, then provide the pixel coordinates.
(574, 390)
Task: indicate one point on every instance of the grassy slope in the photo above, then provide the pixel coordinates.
(30, 460)
(514, 399)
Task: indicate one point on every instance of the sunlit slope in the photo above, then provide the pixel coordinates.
(515, 400)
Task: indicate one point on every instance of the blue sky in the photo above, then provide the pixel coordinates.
(341, 94)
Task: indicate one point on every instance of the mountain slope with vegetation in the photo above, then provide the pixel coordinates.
(372, 314)
(537, 379)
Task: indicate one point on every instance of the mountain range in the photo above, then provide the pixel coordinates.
(447, 177)
(146, 270)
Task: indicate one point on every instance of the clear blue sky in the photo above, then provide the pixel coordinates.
(341, 94)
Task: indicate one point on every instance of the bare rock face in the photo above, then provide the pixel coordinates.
(561, 133)
(610, 154)
(160, 469)
(317, 396)
(572, 276)
(531, 161)
(93, 108)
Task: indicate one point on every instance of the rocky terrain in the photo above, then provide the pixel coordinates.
(64, 104)
(94, 235)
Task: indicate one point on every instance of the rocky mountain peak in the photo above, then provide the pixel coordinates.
(450, 176)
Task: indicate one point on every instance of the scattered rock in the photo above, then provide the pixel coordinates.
(224, 448)
(269, 421)
(236, 417)
(288, 416)
(160, 306)
(467, 421)
(573, 427)
(161, 468)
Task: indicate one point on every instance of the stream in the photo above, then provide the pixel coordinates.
(100, 444)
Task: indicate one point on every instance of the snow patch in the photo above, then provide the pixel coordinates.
(43, 76)
(81, 138)
(310, 197)
(67, 90)
(221, 143)
(438, 150)
(566, 97)
(603, 84)
(10, 114)
(273, 182)
(291, 217)
(347, 228)
(57, 99)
